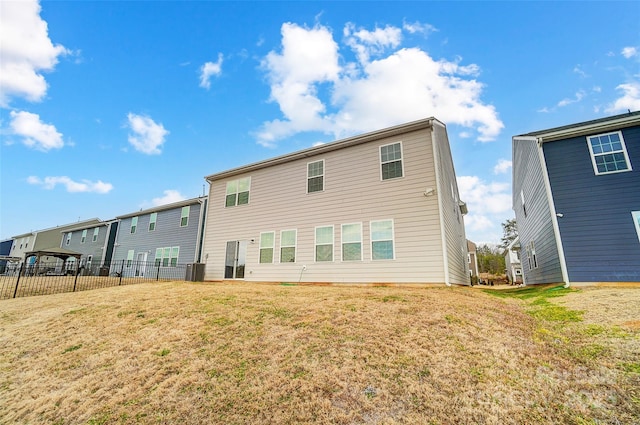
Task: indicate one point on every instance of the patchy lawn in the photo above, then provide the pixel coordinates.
(193, 353)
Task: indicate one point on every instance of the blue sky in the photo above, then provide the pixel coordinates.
(109, 107)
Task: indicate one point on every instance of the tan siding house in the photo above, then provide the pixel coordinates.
(382, 207)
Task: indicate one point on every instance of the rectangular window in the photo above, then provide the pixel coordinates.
(352, 242)
(96, 231)
(391, 161)
(167, 256)
(158, 260)
(238, 192)
(608, 153)
(524, 207)
(288, 246)
(382, 240)
(68, 239)
(184, 216)
(129, 257)
(267, 241)
(636, 221)
(84, 236)
(324, 243)
(532, 260)
(152, 221)
(175, 251)
(315, 176)
(134, 224)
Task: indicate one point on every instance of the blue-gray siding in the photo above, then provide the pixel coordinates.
(537, 225)
(598, 235)
(89, 247)
(167, 233)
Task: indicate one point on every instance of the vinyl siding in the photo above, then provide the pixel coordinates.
(353, 193)
(537, 226)
(598, 235)
(167, 233)
(456, 242)
(89, 247)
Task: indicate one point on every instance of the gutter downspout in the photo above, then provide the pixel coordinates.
(554, 217)
(445, 254)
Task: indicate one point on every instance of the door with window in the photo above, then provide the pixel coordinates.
(141, 264)
(235, 260)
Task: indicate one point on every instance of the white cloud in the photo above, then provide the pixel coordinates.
(577, 98)
(503, 166)
(170, 196)
(397, 87)
(71, 186)
(25, 51)
(210, 69)
(418, 27)
(629, 52)
(147, 136)
(35, 133)
(488, 204)
(630, 99)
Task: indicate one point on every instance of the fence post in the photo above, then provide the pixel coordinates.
(75, 281)
(15, 292)
(158, 271)
(121, 272)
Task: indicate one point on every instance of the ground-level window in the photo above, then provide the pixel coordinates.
(238, 192)
(352, 242)
(382, 240)
(267, 243)
(288, 246)
(324, 243)
(532, 259)
(315, 176)
(167, 256)
(608, 153)
(636, 221)
(129, 257)
(391, 161)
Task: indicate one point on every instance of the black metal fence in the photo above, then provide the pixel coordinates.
(24, 280)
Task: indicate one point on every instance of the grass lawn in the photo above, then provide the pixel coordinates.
(198, 353)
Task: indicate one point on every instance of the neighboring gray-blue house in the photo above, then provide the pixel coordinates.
(163, 236)
(95, 242)
(576, 196)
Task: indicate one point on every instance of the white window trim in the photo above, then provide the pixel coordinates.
(188, 208)
(393, 238)
(343, 242)
(294, 246)
(401, 160)
(636, 221)
(83, 238)
(134, 227)
(593, 156)
(68, 239)
(237, 192)
(324, 180)
(333, 241)
(273, 247)
(154, 222)
(96, 232)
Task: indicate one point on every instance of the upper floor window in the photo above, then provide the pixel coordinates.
(134, 224)
(315, 176)
(96, 231)
(238, 192)
(288, 246)
(184, 216)
(152, 221)
(391, 161)
(68, 239)
(609, 153)
(382, 240)
(267, 241)
(524, 205)
(84, 236)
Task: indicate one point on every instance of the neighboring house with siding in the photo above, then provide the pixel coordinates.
(473, 260)
(381, 207)
(163, 236)
(513, 266)
(576, 195)
(95, 242)
(5, 254)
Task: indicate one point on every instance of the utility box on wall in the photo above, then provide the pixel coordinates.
(195, 272)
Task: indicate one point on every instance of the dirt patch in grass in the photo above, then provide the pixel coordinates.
(192, 353)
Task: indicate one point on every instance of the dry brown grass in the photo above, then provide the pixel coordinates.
(187, 353)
